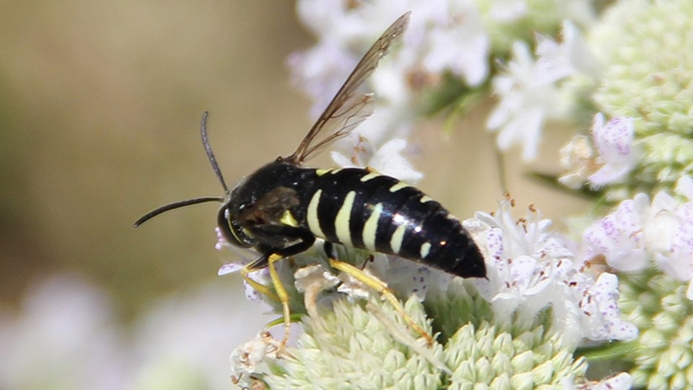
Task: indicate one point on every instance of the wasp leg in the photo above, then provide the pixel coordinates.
(283, 297)
(379, 286)
(302, 240)
(279, 294)
(261, 288)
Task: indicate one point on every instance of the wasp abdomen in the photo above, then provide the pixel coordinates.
(364, 209)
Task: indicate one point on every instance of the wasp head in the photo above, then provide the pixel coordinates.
(230, 226)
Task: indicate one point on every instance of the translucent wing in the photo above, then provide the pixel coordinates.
(350, 106)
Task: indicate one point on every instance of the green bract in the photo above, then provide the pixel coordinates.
(658, 305)
(647, 50)
(349, 347)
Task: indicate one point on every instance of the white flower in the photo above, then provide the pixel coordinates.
(528, 90)
(661, 223)
(245, 255)
(601, 315)
(618, 236)
(443, 36)
(527, 99)
(640, 230)
(261, 276)
(530, 268)
(577, 158)
(456, 41)
(507, 11)
(668, 233)
(614, 157)
(572, 56)
(250, 358)
(614, 141)
(320, 71)
(556, 60)
(387, 159)
(63, 337)
(328, 18)
(684, 187)
(408, 277)
(311, 281)
(621, 381)
(312, 276)
(353, 288)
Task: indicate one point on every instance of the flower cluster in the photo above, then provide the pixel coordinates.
(531, 268)
(356, 351)
(446, 39)
(619, 285)
(641, 231)
(645, 78)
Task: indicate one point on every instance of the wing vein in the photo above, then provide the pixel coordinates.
(349, 107)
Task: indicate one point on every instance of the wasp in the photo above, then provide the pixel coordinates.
(282, 208)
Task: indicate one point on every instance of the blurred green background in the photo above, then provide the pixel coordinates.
(100, 103)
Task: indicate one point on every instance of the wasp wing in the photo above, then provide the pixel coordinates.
(350, 106)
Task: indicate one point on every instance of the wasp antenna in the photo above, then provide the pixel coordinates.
(176, 205)
(210, 153)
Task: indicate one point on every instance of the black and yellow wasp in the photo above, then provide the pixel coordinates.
(283, 207)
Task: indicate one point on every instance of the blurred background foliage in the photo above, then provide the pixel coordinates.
(100, 103)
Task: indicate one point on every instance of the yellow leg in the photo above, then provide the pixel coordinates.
(279, 294)
(381, 287)
(261, 288)
(283, 297)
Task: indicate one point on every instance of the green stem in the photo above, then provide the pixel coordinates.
(615, 350)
